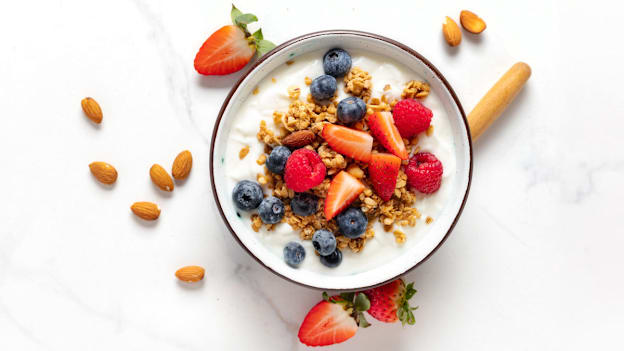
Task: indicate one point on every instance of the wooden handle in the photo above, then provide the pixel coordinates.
(498, 98)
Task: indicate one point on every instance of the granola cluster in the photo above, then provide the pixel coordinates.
(358, 83)
(415, 90)
(267, 136)
(312, 116)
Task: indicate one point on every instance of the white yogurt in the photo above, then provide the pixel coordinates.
(273, 96)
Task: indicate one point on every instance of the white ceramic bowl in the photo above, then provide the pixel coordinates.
(437, 231)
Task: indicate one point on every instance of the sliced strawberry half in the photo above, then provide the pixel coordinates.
(334, 320)
(327, 323)
(383, 170)
(349, 142)
(382, 126)
(225, 51)
(231, 47)
(343, 190)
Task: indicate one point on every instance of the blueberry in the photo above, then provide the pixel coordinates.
(271, 210)
(324, 242)
(351, 109)
(333, 259)
(352, 222)
(323, 87)
(304, 204)
(294, 253)
(336, 62)
(247, 195)
(277, 159)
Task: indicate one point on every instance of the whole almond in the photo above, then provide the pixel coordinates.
(471, 22)
(182, 165)
(190, 274)
(92, 109)
(451, 32)
(161, 178)
(298, 139)
(103, 172)
(149, 211)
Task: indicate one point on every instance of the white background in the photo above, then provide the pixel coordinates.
(535, 263)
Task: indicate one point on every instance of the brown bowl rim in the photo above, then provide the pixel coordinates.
(339, 32)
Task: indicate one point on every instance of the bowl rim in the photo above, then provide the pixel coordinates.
(288, 43)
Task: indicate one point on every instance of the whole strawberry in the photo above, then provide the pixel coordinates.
(424, 172)
(231, 47)
(334, 320)
(411, 117)
(390, 303)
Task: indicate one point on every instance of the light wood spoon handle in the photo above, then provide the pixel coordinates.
(498, 98)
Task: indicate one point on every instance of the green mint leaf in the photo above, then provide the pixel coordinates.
(363, 323)
(235, 13)
(361, 303)
(258, 35)
(264, 46)
(245, 19)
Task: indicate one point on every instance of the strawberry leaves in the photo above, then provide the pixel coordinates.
(361, 304)
(258, 34)
(264, 46)
(256, 39)
(235, 13)
(245, 19)
(356, 303)
(404, 312)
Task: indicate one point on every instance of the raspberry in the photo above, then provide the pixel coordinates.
(424, 172)
(411, 117)
(304, 170)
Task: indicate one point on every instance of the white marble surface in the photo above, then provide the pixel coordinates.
(534, 263)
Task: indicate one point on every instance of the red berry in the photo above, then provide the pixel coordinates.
(382, 126)
(411, 117)
(349, 142)
(327, 323)
(424, 172)
(225, 51)
(383, 170)
(390, 302)
(343, 190)
(304, 170)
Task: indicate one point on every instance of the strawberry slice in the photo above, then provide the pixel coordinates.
(382, 126)
(224, 52)
(231, 47)
(343, 190)
(349, 142)
(383, 170)
(327, 323)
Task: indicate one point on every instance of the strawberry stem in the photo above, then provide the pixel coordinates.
(256, 40)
